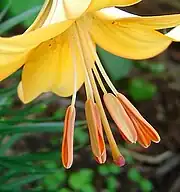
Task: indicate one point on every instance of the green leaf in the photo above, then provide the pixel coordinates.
(9, 143)
(88, 188)
(64, 190)
(8, 175)
(8, 24)
(35, 127)
(129, 159)
(5, 10)
(78, 180)
(139, 89)
(112, 183)
(75, 181)
(42, 156)
(103, 170)
(114, 169)
(29, 109)
(51, 165)
(60, 176)
(134, 175)
(157, 68)
(23, 167)
(59, 114)
(146, 185)
(21, 181)
(81, 136)
(116, 67)
(19, 6)
(50, 183)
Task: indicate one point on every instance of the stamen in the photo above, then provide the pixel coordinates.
(137, 119)
(74, 61)
(88, 86)
(100, 67)
(99, 79)
(67, 143)
(120, 117)
(95, 128)
(143, 137)
(104, 74)
(93, 59)
(117, 157)
(92, 115)
(95, 71)
(55, 5)
(101, 159)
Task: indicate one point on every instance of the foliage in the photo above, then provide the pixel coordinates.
(24, 11)
(139, 89)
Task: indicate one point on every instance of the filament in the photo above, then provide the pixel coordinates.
(88, 86)
(99, 79)
(74, 61)
(100, 67)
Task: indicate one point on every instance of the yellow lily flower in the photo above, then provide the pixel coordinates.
(58, 54)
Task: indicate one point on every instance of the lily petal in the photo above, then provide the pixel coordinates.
(155, 22)
(14, 50)
(99, 4)
(123, 17)
(30, 40)
(40, 70)
(113, 13)
(174, 34)
(11, 62)
(57, 13)
(129, 41)
(20, 92)
(42, 16)
(75, 9)
(64, 83)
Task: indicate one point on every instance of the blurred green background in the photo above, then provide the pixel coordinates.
(30, 135)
